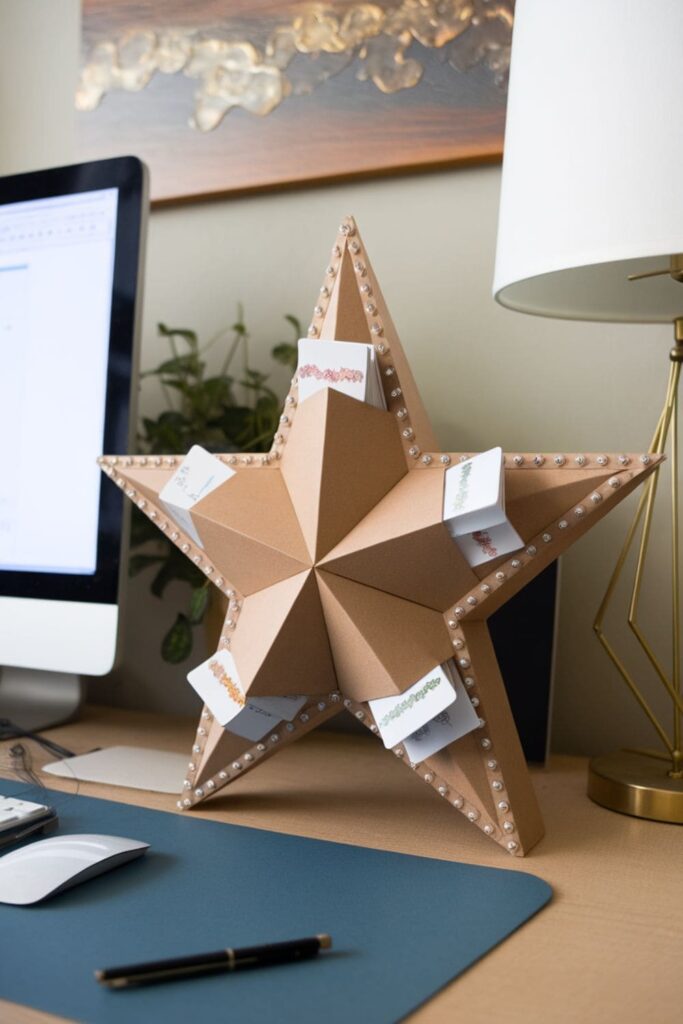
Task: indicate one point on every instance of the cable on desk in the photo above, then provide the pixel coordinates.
(10, 731)
(20, 761)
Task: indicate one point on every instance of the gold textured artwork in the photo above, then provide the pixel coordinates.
(183, 68)
(344, 584)
(233, 72)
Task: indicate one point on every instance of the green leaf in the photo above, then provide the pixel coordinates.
(138, 563)
(215, 440)
(219, 389)
(176, 567)
(177, 644)
(180, 332)
(162, 579)
(207, 398)
(295, 322)
(199, 600)
(180, 366)
(233, 422)
(267, 403)
(170, 417)
(142, 530)
(167, 433)
(253, 378)
(286, 354)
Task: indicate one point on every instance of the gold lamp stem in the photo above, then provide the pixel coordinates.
(647, 783)
(676, 356)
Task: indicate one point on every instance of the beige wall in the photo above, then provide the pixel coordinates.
(39, 54)
(488, 376)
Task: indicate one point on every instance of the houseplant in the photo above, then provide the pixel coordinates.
(231, 410)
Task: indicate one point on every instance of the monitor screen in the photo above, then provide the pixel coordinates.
(69, 261)
(56, 273)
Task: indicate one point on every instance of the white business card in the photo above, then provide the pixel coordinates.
(455, 721)
(346, 366)
(484, 545)
(199, 474)
(398, 717)
(474, 493)
(217, 682)
(279, 707)
(252, 723)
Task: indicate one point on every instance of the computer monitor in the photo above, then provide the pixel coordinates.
(71, 259)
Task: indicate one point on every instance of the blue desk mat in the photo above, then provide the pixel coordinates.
(402, 926)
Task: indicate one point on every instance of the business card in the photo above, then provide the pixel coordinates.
(199, 474)
(455, 721)
(398, 717)
(279, 707)
(346, 366)
(484, 545)
(342, 365)
(252, 723)
(217, 682)
(474, 495)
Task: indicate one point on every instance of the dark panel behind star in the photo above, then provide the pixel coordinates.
(523, 636)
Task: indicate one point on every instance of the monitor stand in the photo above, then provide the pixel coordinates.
(37, 699)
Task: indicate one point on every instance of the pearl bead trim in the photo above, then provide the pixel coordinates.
(307, 719)
(474, 814)
(347, 238)
(516, 563)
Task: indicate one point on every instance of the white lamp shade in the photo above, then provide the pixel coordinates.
(592, 184)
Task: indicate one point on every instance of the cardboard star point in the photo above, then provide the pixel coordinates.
(342, 579)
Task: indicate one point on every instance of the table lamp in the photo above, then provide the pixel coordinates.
(591, 228)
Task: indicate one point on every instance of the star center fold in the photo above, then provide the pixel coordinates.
(333, 550)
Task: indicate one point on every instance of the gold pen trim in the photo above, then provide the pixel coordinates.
(173, 972)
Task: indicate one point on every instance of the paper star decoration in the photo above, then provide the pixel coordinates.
(344, 583)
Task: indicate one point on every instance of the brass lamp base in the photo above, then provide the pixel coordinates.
(637, 783)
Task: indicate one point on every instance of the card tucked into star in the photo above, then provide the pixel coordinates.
(346, 366)
(218, 684)
(199, 474)
(253, 723)
(474, 508)
(482, 546)
(449, 725)
(280, 707)
(474, 493)
(398, 717)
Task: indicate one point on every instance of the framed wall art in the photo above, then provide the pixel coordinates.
(227, 96)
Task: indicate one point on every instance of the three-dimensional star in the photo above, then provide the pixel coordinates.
(342, 580)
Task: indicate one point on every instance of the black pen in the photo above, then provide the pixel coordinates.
(213, 963)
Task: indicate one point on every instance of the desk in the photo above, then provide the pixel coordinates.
(607, 949)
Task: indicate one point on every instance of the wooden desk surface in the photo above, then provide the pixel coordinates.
(607, 949)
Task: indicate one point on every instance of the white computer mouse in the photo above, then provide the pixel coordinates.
(49, 866)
